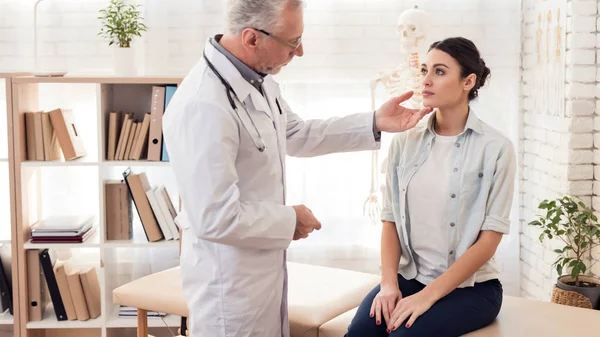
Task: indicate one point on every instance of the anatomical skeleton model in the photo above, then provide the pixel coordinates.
(412, 29)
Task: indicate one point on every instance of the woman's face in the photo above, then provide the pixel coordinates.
(442, 84)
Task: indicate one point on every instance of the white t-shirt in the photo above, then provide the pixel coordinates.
(427, 199)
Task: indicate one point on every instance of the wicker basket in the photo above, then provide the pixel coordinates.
(570, 298)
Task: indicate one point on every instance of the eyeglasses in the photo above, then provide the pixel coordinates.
(293, 46)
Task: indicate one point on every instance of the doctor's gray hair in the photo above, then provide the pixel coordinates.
(259, 14)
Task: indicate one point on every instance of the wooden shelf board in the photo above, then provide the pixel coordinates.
(13, 74)
(98, 79)
(50, 322)
(140, 244)
(134, 163)
(84, 161)
(6, 318)
(153, 322)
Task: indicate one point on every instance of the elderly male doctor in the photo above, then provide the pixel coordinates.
(227, 131)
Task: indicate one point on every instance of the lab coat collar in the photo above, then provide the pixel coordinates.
(241, 87)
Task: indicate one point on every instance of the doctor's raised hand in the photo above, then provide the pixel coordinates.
(392, 117)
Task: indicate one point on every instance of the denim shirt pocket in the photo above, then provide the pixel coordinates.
(474, 185)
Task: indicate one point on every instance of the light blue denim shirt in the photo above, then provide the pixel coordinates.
(481, 188)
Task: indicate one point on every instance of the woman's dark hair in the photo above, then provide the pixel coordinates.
(466, 54)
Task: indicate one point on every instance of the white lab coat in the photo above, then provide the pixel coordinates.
(236, 226)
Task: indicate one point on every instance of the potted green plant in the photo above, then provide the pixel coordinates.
(121, 24)
(572, 222)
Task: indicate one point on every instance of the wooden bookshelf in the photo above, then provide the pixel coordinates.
(91, 99)
(7, 187)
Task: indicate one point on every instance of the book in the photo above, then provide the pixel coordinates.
(67, 134)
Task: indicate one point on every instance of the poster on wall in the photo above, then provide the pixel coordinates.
(549, 82)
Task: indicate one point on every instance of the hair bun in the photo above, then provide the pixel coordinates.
(485, 73)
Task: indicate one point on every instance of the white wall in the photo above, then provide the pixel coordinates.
(346, 43)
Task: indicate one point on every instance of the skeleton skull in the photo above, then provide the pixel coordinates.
(413, 26)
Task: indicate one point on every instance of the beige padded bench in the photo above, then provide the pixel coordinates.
(518, 318)
(316, 295)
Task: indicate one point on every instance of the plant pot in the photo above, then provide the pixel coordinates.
(567, 290)
(124, 62)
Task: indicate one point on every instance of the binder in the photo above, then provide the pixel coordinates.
(5, 289)
(47, 261)
(35, 290)
(155, 134)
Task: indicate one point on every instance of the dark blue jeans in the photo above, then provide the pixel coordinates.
(461, 311)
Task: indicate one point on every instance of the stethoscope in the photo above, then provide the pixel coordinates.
(260, 145)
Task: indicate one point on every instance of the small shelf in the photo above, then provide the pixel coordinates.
(92, 241)
(153, 322)
(50, 322)
(6, 318)
(5, 242)
(111, 163)
(3, 160)
(140, 244)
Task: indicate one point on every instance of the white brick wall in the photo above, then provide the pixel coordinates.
(560, 153)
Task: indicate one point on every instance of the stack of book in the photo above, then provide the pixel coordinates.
(63, 229)
(75, 294)
(47, 133)
(154, 206)
(125, 311)
(131, 138)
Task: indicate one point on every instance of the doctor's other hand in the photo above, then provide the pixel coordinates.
(305, 222)
(392, 117)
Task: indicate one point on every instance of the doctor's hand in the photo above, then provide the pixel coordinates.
(391, 117)
(305, 222)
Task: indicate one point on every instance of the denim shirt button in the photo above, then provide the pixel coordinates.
(452, 195)
(456, 169)
(451, 252)
(480, 174)
(452, 224)
(457, 144)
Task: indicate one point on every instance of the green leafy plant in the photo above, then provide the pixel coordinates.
(570, 220)
(121, 23)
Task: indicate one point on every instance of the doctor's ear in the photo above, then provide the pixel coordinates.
(249, 38)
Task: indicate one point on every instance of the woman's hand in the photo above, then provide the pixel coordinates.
(385, 302)
(412, 306)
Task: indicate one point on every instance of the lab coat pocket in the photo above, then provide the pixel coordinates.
(188, 239)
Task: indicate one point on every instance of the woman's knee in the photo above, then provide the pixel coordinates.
(362, 324)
